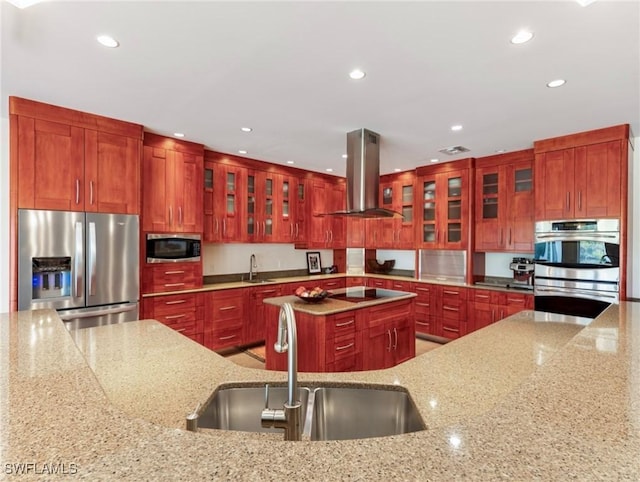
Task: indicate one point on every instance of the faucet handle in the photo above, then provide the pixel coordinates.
(266, 396)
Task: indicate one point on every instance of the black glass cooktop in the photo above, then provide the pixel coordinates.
(359, 294)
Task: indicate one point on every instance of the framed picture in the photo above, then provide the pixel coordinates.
(313, 262)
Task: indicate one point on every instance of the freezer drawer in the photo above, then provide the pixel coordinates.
(99, 316)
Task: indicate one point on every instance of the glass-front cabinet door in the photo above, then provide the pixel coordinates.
(429, 207)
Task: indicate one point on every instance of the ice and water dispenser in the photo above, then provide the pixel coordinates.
(51, 278)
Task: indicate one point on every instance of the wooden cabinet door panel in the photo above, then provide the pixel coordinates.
(598, 180)
(154, 190)
(554, 184)
(50, 165)
(404, 335)
(112, 173)
(187, 193)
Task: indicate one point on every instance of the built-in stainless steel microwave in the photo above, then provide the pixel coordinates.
(173, 248)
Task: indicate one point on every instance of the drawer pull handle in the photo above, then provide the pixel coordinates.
(423, 304)
(453, 330)
(177, 302)
(180, 330)
(173, 317)
(450, 308)
(174, 272)
(266, 292)
(227, 337)
(482, 296)
(346, 323)
(515, 300)
(173, 284)
(340, 348)
(227, 308)
(422, 323)
(447, 292)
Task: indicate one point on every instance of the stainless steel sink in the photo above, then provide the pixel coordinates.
(354, 413)
(328, 413)
(259, 281)
(239, 408)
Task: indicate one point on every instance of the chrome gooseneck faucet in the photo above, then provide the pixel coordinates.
(253, 267)
(289, 417)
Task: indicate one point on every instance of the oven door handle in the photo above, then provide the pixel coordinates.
(599, 296)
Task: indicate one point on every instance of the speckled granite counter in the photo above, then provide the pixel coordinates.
(521, 399)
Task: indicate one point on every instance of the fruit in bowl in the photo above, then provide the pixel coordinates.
(311, 296)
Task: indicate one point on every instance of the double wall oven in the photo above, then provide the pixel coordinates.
(577, 266)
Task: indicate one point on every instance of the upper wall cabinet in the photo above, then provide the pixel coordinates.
(397, 194)
(223, 186)
(74, 161)
(504, 202)
(582, 175)
(444, 206)
(172, 185)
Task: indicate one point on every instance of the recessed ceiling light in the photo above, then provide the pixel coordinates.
(329, 169)
(435, 160)
(457, 127)
(107, 41)
(500, 151)
(24, 3)
(246, 129)
(397, 169)
(556, 83)
(585, 3)
(178, 134)
(357, 74)
(242, 151)
(290, 162)
(344, 156)
(521, 37)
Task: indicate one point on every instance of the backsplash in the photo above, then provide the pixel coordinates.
(230, 259)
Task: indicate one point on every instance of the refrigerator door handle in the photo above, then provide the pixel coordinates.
(77, 261)
(91, 257)
(104, 311)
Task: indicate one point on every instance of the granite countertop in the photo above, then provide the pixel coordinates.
(525, 398)
(501, 284)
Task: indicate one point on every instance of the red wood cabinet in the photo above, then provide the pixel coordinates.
(327, 231)
(582, 175)
(255, 318)
(74, 161)
(424, 308)
(181, 312)
(504, 202)
(389, 335)
(163, 277)
(302, 212)
(444, 205)
(396, 194)
(488, 306)
(172, 176)
(224, 318)
(287, 211)
(222, 204)
(262, 203)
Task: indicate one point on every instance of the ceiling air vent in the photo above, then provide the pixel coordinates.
(453, 150)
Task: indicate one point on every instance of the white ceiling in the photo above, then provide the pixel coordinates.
(209, 68)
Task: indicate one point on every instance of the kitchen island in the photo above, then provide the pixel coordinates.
(353, 329)
(525, 398)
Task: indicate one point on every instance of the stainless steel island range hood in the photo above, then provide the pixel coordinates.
(363, 176)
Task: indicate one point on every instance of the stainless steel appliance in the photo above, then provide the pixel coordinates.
(523, 269)
(172, 248)
(85, 265)
(577, 269)
(443, 265)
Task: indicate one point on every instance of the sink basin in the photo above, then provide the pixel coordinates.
(328, 413)
(354, 413)
(239, 408)
(259, 281)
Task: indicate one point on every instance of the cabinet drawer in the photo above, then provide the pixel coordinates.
(346, 364)
(341, 324)
(173, 304)
(450, 293)
(171, 319)
(170, 277)
(514, 299)
(223, 337)
(422, 290)
(484, 296)
(424, 325)
(378, 283)
(228, 305)
(401, 285)
(423, 307)
(333, 284)
(381, 313)
(341, 347)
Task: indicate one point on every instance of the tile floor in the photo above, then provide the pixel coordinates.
(242, 358)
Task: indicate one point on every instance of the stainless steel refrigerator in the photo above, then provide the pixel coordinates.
(85, 265)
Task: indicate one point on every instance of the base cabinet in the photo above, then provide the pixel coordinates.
(363, 339)
(487, 306)
(255, 320)
(224, 318)
(182, 312)
(450, 311)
